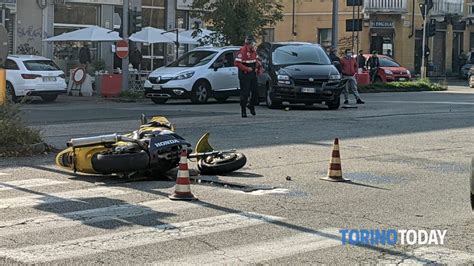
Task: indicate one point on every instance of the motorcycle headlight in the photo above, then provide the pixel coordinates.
(185, 75)
(335, 77)
(388, 72)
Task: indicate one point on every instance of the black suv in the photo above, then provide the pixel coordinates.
(298, 72)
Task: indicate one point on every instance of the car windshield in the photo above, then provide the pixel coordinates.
(194, 58)
(384, 62)
(300, 55)
(41, 65)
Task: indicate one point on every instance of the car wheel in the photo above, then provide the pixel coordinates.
(159, 100)
(222, 99)
(272, 103)
(49, 98)
(11, 95)
(334, 105)
(200, 93)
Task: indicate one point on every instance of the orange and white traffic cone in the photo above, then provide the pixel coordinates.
(182, 189)
(335, 169)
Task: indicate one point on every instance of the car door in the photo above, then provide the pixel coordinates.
(224, 77)
(13, 75)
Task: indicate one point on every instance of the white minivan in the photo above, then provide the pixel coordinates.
(200, 74)
(30, 75)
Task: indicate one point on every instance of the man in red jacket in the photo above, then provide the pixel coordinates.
(249, 66)
(349, 69)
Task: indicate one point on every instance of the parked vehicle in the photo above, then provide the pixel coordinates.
(297, 72)
(153, 149)
(390, 70)
(465, 69)
(198, 75)
(29, 75)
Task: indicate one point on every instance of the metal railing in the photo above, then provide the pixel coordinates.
(447, 7)
(385, 6)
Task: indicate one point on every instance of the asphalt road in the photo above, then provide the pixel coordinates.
(407, 154)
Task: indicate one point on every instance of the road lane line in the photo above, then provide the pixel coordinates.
(28, 183)
(262, 251)
(134, 238)
(116, 212)
(431, 255)
(426, 102)
(75, 195)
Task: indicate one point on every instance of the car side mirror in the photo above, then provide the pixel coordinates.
(218, 65)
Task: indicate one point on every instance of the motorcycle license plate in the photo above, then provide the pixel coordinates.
(308, 90)
(156, 87)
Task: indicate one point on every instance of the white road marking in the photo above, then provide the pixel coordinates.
(262, 251)
(426, 102)
(261, 192)
(74, 195)
(117, 212)
(28, 183)
(134, 238)
(430, 255)
(4, 174)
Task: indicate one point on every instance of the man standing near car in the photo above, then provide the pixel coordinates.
(349, 69)
(249, 67)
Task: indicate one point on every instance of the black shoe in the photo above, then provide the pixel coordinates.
(244, 112)
(359, 101)
(252, 109)
(346, 102)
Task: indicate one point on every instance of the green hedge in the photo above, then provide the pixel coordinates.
(13, 132)
(415, 85)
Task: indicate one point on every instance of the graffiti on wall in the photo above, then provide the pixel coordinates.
(29, 39)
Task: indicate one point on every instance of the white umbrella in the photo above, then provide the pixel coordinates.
(153, 35)
(89, 34)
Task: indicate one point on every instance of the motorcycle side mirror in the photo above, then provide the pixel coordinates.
(143, 119)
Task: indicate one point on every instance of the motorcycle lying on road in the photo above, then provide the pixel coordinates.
(152, 150)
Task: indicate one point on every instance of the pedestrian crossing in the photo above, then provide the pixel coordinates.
(96, 242)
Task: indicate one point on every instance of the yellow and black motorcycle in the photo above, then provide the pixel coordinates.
(153, 150)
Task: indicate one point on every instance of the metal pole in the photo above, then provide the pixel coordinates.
(353, 25)
(293, 20)
(335, 12)
(125, 61)
(177, 44)
(423, 68)
(3, 87)
(358, 17)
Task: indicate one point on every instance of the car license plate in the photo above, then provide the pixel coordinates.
(156, 87)
(308, 90)
(402, 79)
(49, 79)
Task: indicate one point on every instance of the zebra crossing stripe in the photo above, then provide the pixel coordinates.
(262, 251)
(116, 212)
(28, 183)
(74, 195)
(134, 238)
(3, 174)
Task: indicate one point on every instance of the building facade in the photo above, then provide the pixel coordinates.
(384, 25)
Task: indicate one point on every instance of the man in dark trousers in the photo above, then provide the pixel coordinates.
(85, 55)
(249, 67)
(361, 60)
(349, 69)
(373, 64)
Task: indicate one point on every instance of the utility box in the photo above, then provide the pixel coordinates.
(3, 45)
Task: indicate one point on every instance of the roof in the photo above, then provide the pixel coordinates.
(297, 43)
(216, 49)
(32, 57)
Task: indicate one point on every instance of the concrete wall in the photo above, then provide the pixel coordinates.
(29, 28)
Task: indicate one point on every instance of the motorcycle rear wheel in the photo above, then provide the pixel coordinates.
(228, 162)
(120, 163)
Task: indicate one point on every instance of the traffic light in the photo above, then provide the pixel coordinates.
(427, 3)
(135, 21)
(432, 28)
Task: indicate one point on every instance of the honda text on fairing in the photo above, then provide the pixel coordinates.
(151, 150)
(298, 73)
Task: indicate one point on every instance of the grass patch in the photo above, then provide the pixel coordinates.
(12, 129)
(131, 96)
(415, 85)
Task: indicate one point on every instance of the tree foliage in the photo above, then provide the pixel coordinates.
(234, 19)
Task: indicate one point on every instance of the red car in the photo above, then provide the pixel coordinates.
(390, 70)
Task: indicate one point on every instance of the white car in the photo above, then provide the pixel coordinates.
(203, 73)
(29, 75)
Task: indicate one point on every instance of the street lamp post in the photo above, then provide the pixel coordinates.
(335, 12)
(125, 61)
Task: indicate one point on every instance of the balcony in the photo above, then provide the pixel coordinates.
(385, 6)
(470, 10)
(447, 7)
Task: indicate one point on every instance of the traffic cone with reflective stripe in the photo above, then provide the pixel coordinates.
(335, 169)
(182, 190)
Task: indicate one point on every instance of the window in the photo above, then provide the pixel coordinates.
(300, 55)
(160, 3)
(41, 65)
(11, 65)
(83, 14)
(268, 35)
(153, 17)
(194, 58)
(227, 59)
(324, 37)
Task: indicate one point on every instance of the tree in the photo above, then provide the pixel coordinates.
(235, 19)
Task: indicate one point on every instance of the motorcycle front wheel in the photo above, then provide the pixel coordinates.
(221, 164)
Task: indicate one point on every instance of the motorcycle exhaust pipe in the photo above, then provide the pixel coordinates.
(89, 141)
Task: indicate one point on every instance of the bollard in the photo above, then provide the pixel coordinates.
(3, 87)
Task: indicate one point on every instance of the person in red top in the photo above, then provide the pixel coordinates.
(249, 67)
(349, 69)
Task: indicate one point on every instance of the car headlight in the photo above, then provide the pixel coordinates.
(283, 77)
(185, 75)
(334, 77)
(388, 72)
(408, 72)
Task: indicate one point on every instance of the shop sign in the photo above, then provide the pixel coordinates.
(382, 24)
